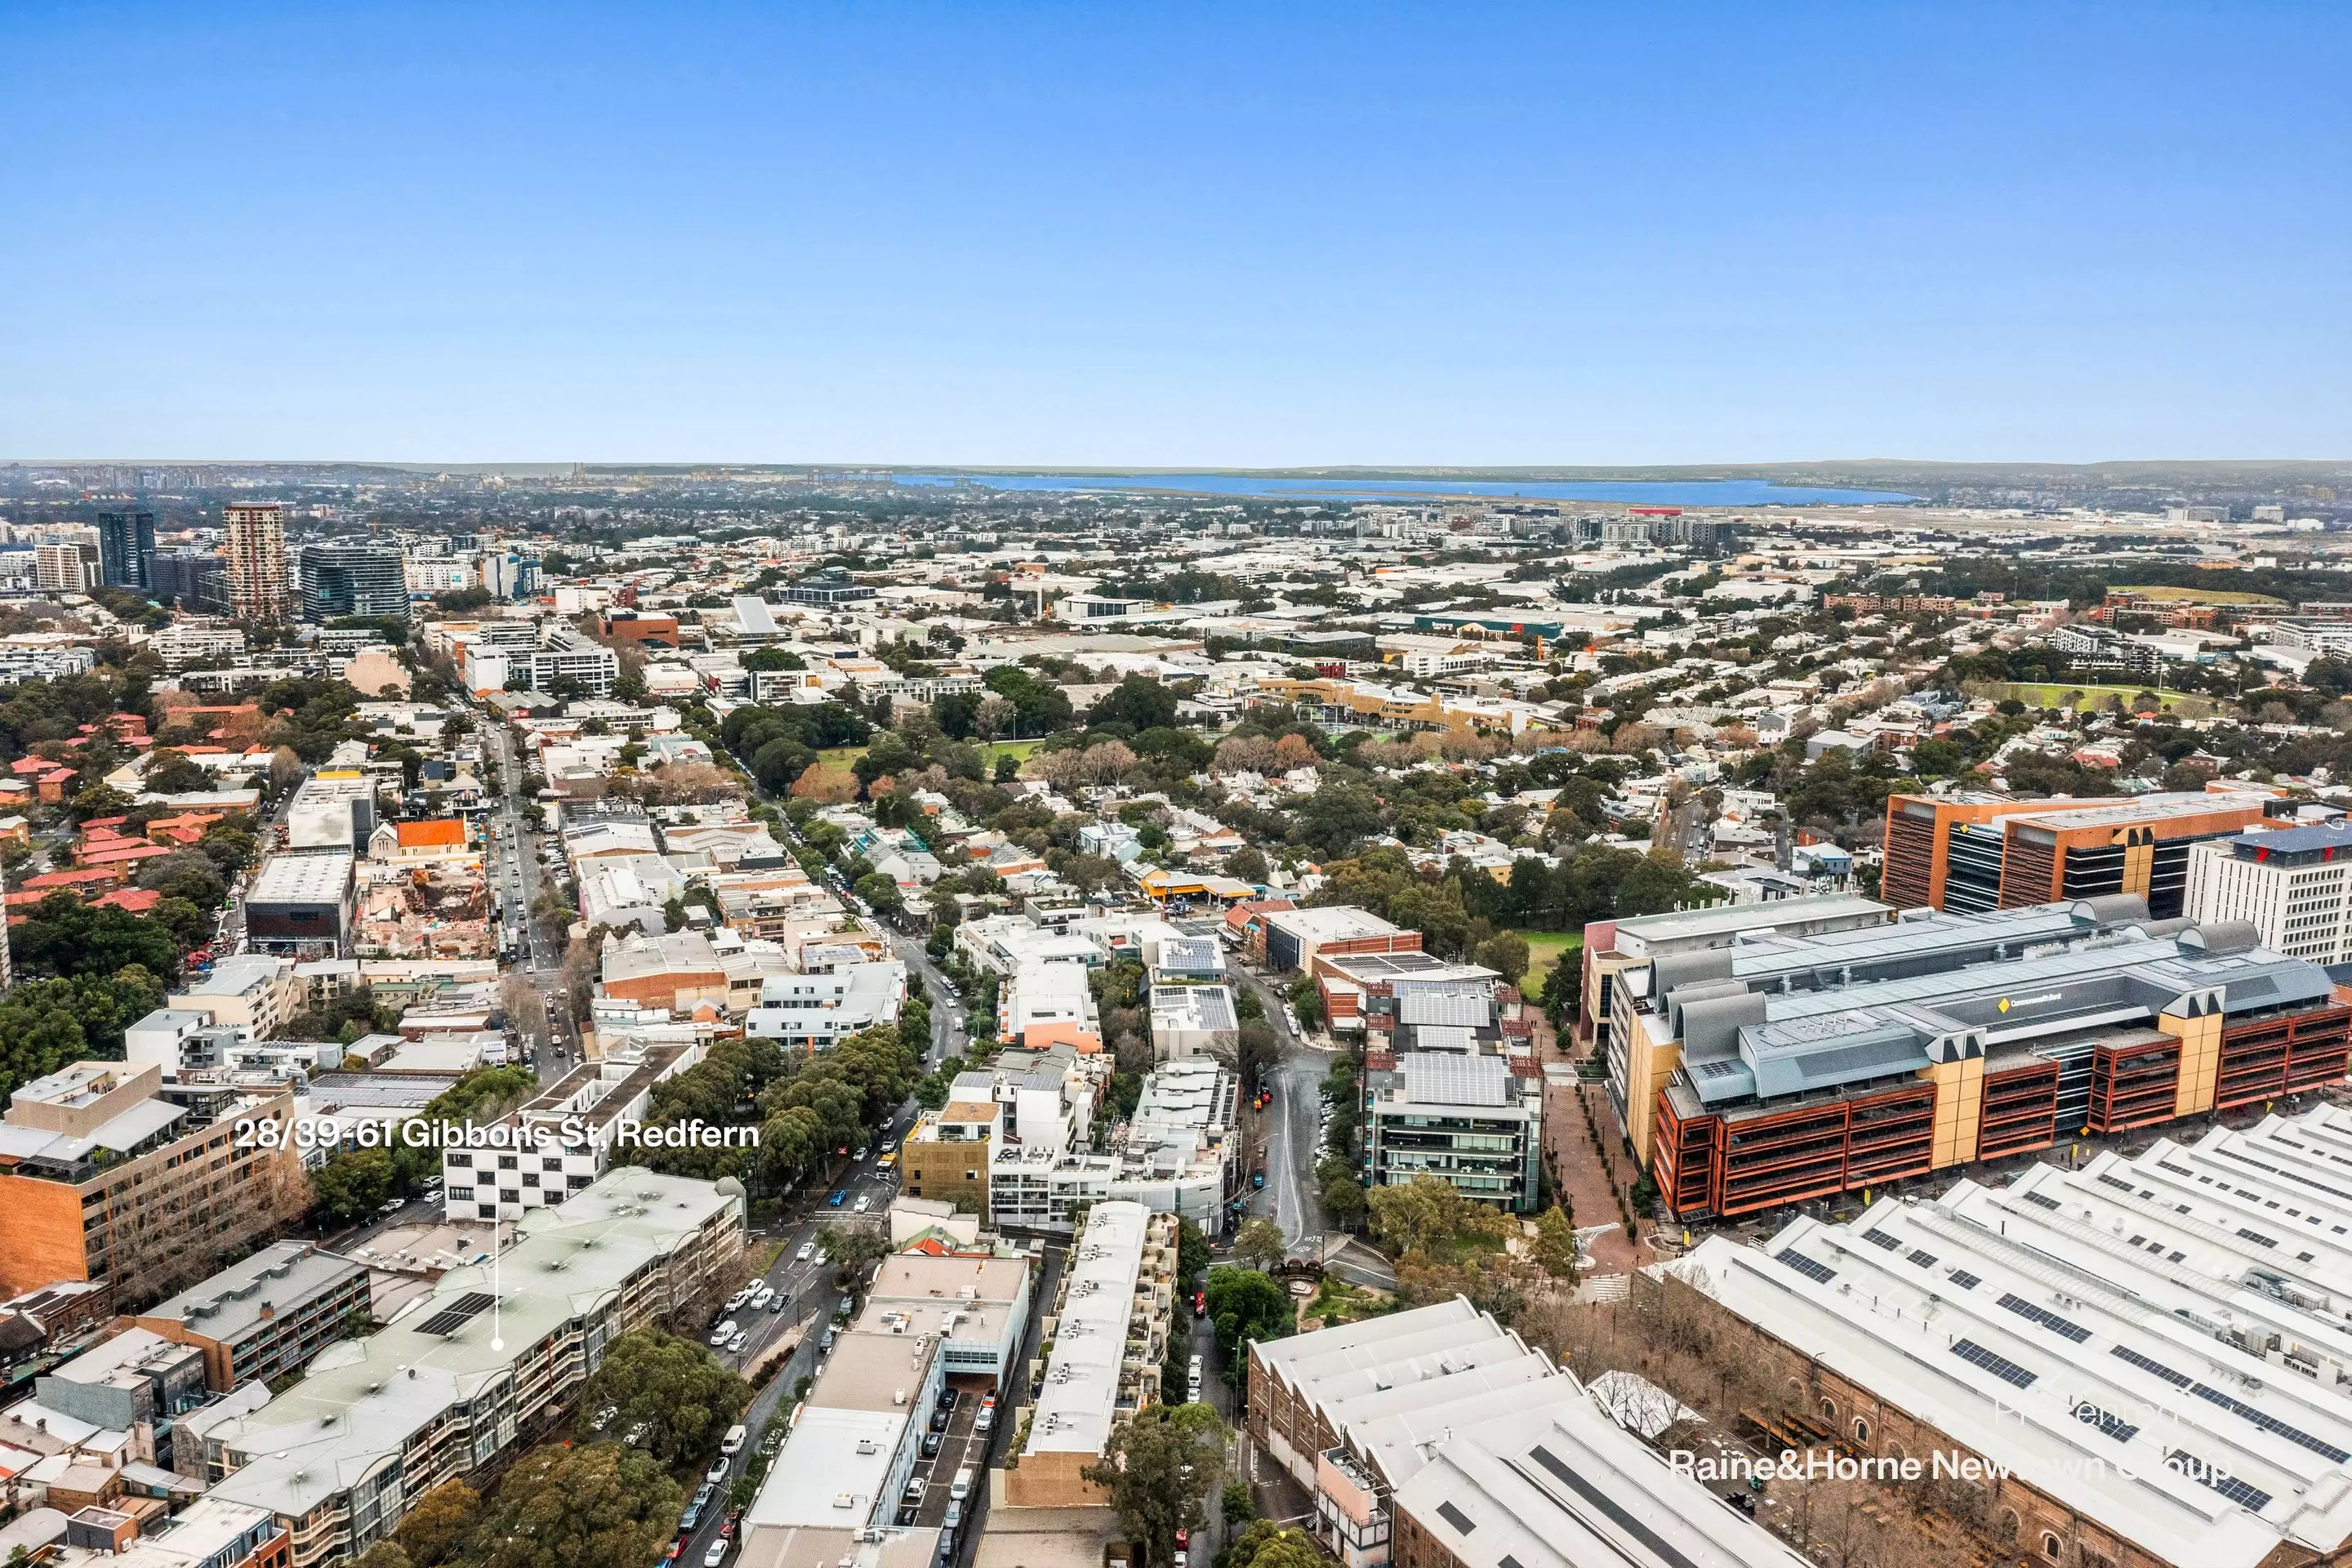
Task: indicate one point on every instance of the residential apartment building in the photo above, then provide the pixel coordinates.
(946, 1156)
(485, 1365)
(1470, 1120)
(2292, 885)
(1406, 1001)
(564, 655)
(816, 1012)
(547, 1164)
(65, 568)
(210, 1533)
(2149, 1354)
(1180, 1150)
(266, 1316)
(1975, 850)
(1794, 1069)
(253, 992)
(255, 553)
(194, 580)
(1116, 1310)
(102, 1177)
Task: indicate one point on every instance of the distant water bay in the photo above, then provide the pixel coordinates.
(1696, 492)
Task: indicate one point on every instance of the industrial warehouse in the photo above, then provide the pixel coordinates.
(2151, 1353)
(1780, 1070)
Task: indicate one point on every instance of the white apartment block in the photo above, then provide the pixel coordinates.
(2293, 885)
(560, 1141)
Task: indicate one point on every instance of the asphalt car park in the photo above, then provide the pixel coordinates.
(960, 1445)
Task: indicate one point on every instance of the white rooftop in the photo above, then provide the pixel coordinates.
(1079, 1399)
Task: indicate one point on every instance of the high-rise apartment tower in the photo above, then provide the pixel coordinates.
(256, 561)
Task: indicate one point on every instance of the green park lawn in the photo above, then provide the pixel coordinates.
(1545, 949)
(1018, 750)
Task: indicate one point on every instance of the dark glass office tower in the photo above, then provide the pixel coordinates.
(126, 549)
(353, 577)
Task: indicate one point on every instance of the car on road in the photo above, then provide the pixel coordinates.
(807, 1251)
(864, 1202)
(889, 1145)
(837, 1199)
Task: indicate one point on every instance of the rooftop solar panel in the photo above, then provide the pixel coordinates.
(456, 1314)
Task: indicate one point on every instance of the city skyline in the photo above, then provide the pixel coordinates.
(1034, 236)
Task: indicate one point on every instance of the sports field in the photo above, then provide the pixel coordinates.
(2034, 696)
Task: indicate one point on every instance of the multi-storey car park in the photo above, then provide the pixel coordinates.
(2155, 1352)
(1780, 1070)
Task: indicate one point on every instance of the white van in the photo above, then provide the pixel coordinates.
(961, 1488)
(732, 1443)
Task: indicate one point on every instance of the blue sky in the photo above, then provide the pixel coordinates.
(1177, 234)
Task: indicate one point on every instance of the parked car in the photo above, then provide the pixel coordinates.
(717, 1473)
(722, 1333)
(733, 1442)
(931, 1441)
(916, 1488)
(718, 1553)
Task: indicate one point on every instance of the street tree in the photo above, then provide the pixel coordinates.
(684, 1398)
(1160, 1468)
(1259, 1245)
(854, 1247)
(438, 1526)
(1245, 1307)
(606, 1505)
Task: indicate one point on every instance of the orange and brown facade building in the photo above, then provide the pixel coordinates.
(1974, 852)
(102, 1177)
(1795, 1068)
